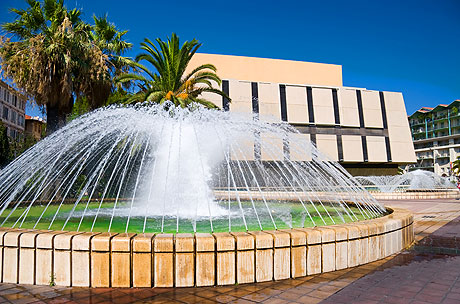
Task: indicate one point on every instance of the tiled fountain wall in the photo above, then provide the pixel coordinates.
(167, 260)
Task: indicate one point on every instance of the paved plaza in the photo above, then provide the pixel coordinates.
(427, 273)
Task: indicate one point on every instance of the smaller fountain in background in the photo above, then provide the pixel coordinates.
(414, 180)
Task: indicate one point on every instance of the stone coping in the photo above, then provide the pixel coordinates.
(415, 195)
(201, 259)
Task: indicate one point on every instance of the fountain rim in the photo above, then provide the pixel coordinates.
(98, 259)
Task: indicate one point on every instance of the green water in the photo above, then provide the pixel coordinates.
(284, 214)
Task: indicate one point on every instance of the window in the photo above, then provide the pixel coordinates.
(15, 101)
(21, 120)
(5, 113)
(13, 117)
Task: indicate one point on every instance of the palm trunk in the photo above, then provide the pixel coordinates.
(56, 115)
(52, 119)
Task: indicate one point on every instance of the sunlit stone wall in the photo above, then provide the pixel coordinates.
(184, 260)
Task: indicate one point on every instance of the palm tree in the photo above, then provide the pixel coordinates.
(456, 166)
(53, 59)
(110, 41)
(170, 82)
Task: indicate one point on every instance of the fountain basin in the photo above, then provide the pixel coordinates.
(290, 214)
(92, 259)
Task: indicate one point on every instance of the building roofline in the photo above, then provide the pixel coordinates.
(10, 87)
(424, 110)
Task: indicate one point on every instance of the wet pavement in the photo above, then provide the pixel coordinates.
(427, 273)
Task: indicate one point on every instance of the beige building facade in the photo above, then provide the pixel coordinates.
(366, 131)
(12, 110)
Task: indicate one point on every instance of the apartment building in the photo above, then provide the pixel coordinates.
(12, 110)
(35, 127)
(436, 137)
(365, 130)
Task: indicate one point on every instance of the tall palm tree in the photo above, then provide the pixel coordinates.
(170, 82)
(53, 59)
(111, 42)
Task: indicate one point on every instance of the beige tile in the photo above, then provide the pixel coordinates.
(205, 259)
(184, 268)
(185, 242)
(341, 255)
(62, 267)
(10, 261)
(43, 269)
(355, 257)
(328, 257)
(264, 265)
(142, 269)
(100, 269)
(205, 242)
(226, 268)
(245, 244)
(225, 258)
(163, 260)
(205, 269)
(282, 263)
(314, 259)
(299, 261)
(121, 260)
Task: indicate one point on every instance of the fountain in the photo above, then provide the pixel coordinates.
(142, 169)
(417, 180)
(145, 196)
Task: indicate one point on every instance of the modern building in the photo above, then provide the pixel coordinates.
(436, 136)
(366, 131)
(12, 110)
(35, 126)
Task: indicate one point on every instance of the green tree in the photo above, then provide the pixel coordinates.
(4, 146)
(80, 107)
(21, 144)
(111, 42)
(170, 82)
(53, 58)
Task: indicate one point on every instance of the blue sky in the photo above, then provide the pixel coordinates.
(409, 46)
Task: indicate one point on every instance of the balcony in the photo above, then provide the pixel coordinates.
(424, 166)
(425, 156)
